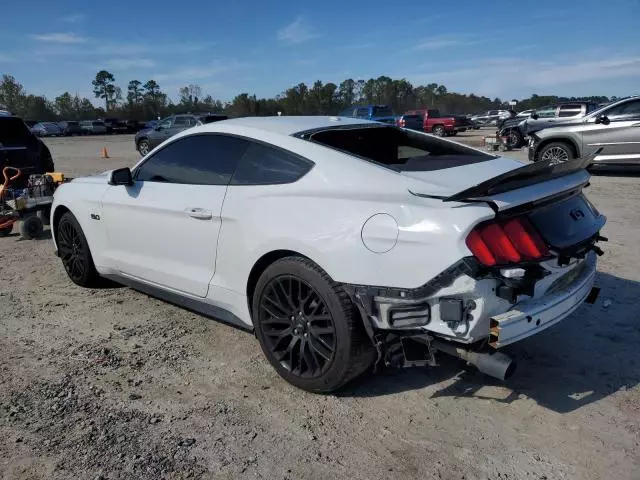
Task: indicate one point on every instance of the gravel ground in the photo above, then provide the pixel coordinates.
(112, 384)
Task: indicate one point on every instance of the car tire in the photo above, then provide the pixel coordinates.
(6, 231)
(74, 252)
(31, 227)
(438, 131)
(556, 153)
(308, 327)
(514, 138)
(144, 147)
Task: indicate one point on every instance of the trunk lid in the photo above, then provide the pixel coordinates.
(503, 183)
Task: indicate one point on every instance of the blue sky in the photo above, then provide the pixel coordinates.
(499, 48)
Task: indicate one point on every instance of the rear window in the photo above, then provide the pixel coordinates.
(13, 131)
(398, 149)
(382, 112)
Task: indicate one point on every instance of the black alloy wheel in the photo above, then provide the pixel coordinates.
(308, 327)
(297, 326)
(74, 252)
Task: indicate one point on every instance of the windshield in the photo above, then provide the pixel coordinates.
(401, 150)
(382, 112)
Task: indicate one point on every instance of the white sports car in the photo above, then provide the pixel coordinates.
(341, 242)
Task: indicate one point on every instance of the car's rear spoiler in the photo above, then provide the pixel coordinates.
(538, 172)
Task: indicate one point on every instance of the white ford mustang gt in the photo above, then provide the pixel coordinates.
(342, 243)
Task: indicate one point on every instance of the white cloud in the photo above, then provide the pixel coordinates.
(437, 43)
(297, 32)
(191, 73)
(74, 18)
(515, 76)
(129, 63)
(60, 38)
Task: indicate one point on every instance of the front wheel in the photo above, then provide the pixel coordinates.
(31, 227)
(556, 153)
(307, 326)
(438, 131)
(74, 252)
(514, 139)
(143, 147)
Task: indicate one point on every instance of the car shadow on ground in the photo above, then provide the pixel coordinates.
(587, 357)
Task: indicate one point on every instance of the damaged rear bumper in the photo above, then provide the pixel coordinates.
(532, 316)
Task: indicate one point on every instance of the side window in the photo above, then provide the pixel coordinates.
(347, 113)
(362, 113)
(181, 122)
(166, 123)
(194, 160)
(546, 112)
(264, 165)
(628, 110)
(571, 110)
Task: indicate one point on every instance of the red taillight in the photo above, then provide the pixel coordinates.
(525, 238)
(499, 244)
(511, 241)
(402, 122)
(480, 249)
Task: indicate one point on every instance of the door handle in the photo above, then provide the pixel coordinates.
(199, 213)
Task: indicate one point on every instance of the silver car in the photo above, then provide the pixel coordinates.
(615, 129)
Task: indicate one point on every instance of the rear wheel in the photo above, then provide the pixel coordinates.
(6, 231)
(556, 153)
(74, 252)
(308, 327)
(438, 131)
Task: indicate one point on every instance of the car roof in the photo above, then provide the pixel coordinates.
(285, 125)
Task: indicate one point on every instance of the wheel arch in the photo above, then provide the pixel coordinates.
(262, 264)
(568, 140)
(57, 215)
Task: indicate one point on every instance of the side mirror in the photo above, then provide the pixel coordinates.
(121, 176)
(157, 128)
(603, 119)
(534, 116)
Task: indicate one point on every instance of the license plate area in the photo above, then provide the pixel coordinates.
(568, 222)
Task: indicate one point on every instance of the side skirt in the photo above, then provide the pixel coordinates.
(186, 302)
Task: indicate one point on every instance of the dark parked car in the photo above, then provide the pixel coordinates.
(115, 126)
(515, 128)
(19, 148)
(410, 121)
(133, 126)
(71, 128)
(147, 139)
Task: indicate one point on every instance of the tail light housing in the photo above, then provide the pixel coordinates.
(401, 122)
(506, 242)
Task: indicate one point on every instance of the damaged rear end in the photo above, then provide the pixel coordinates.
(520, 242)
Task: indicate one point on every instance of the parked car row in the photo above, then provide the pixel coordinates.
(105, 126)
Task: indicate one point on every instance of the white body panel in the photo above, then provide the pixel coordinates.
(146, 231)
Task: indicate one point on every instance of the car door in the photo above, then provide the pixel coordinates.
(164, 228)
(615, 130)
(161, 132)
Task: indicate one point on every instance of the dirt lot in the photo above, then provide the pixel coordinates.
(112, 384)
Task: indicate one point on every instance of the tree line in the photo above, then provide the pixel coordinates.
(145, 100)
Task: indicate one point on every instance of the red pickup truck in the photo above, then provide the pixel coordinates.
(441, 125)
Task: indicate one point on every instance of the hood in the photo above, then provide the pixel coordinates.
(100, 178)
(532, 126)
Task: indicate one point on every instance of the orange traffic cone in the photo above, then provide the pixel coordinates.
(104, 153)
